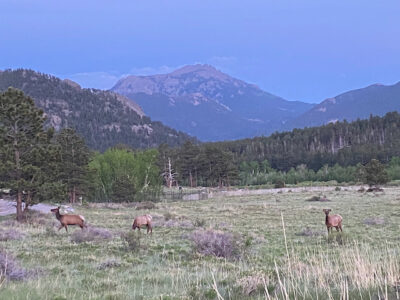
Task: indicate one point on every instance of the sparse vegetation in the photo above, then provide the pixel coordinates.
(300, 262)
(10, 268)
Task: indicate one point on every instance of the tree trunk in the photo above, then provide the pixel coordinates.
(73, 194)
(27, 201)
(20, 213)
(191, 179)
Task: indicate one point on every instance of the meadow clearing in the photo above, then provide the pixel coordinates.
(280, 250)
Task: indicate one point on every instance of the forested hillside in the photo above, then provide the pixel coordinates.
(102, 118)
(341, 145)
(342, 142)
(376, 99)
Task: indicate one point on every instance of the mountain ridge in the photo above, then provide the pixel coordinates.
(220, 106)
(374, 99)
(102, 118)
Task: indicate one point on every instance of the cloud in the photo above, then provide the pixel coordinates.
(97, 80)
(144, 71)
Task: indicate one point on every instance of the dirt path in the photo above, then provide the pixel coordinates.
(8, 207)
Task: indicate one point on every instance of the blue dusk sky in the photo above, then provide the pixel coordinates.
(299, 50)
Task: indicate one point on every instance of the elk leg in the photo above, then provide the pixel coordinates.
(66, 229)
(337, 228)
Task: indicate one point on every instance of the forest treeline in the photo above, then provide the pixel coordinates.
(38, 163)
(329, 152)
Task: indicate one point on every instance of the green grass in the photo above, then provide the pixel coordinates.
(277, 262)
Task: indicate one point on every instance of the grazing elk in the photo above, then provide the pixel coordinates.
(143, 221)
(332, 221)
(66, 220)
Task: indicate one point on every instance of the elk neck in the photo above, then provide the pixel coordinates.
(58, 215)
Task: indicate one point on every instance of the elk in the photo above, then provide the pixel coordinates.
(66, 220)
(143, 221)
(332, 221)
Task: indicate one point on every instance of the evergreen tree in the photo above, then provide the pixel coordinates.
(123, 189)
(22, 145)
(73, 164)
(375, 173)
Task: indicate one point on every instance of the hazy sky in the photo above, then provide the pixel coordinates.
(299, 50)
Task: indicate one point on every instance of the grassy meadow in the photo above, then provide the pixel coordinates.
(281, 243)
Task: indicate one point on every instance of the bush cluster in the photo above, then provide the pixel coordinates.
(216, 243)
(91, 234)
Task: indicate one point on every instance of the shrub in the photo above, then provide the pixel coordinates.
(110, 263)
(337, 189)
(253, 283)
(169, 216)
(10, 234)
(279, 184)
(216, 243)
(146, 205)
(309, 232)
(374, 221)
(198, 222)
(318, 199)
(10, 269)
(131, 240)
(91, 234)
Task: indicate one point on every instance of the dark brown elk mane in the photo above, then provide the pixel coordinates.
(66, 220)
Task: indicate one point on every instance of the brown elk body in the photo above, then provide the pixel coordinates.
(332, 221)
(66, 220)
(143, 221)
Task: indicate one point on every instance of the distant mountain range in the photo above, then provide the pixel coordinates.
(211, 105)
(208, 104)
(103, 118)
(196, 100)
(375, 99)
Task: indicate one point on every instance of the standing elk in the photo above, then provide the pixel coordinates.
(66, 220)
(143, 221)
(332, 221)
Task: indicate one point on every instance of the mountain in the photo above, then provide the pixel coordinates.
(208, 104)
(102, 118)
(375, 99)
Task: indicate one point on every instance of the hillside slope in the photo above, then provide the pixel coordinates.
(375, 99)
(103, 118)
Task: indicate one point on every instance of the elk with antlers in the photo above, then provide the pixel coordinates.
(66, 220)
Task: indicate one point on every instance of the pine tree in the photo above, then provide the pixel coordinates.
(22, 145)
(73, 164)
(375, 173)
(123, 189)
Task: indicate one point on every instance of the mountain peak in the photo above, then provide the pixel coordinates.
(201, 70)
